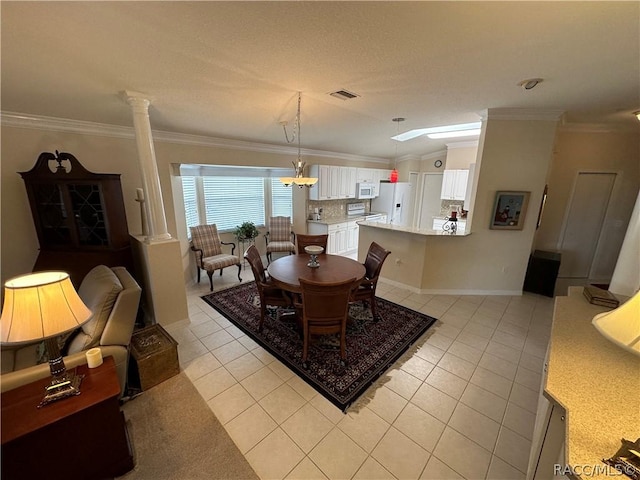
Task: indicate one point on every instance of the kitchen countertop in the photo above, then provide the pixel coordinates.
(594, 380)
(343, 219)
(417, 231)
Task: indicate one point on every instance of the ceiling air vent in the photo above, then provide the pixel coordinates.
(344, 94)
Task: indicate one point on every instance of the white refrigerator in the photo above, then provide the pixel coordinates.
(394, 201)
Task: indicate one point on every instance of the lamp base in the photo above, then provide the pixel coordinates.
(61, 387)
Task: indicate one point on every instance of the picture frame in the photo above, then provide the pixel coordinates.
(509, 210)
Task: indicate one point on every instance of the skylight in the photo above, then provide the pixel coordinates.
(459, 130)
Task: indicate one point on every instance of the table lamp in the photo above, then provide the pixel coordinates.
(622, 325)
(41, 306)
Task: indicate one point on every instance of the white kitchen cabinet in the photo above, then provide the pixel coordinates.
(334, 182)
(347, 177)
(343, 236)
(547, 448)
(467, 194)
(352, 236)
(364, 175)
(454, 184)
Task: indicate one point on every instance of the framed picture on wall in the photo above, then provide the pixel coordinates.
(509, 210)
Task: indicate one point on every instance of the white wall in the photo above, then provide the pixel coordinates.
(117, 153)
(592, 151)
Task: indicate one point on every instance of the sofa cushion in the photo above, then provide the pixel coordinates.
(99, 290)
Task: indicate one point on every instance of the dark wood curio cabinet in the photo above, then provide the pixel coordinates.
(79, 216)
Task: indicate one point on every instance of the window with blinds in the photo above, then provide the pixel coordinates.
(281, 199)
(230, 201)
(190, 194)
(229, 196)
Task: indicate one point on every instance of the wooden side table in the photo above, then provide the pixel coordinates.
(81, 437)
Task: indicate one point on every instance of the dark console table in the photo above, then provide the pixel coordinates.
(80, 437)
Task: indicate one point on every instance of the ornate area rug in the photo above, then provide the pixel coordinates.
(372, 347)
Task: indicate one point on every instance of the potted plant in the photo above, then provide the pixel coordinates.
(246, 231)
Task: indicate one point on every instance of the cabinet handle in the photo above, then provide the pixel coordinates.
(562, 418)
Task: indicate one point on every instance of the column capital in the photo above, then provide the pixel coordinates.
(136, 99)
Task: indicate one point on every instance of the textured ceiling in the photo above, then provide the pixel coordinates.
(232, 69)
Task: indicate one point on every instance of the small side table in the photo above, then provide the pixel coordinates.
(542, 273)
(244, 244)
(82, 437)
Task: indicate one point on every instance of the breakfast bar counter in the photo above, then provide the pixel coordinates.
(413, 230)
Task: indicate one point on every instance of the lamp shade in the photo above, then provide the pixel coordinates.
(40, 305)
(622, 325)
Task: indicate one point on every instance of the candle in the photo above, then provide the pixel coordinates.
(94, 357)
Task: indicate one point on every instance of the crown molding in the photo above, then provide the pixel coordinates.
(595, 127)
(439, 155)
(550, 114)
(41, 122)
(408, 157)
(468, 144)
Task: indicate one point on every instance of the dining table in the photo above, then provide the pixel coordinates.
(286, 271)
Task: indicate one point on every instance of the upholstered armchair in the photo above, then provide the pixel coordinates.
(112, 295)
(207, 247)
(280, 237)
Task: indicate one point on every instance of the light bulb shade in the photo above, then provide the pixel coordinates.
(39, 306)
(622, 325)
(393, 178)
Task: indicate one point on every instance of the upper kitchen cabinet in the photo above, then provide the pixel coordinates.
(373, 176)
(454, 184)
(334, 182)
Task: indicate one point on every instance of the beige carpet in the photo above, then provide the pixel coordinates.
(175, 435)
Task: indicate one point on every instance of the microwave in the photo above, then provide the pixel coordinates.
(365, 190)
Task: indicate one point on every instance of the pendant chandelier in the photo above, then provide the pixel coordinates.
(298, 167)
(393, 178)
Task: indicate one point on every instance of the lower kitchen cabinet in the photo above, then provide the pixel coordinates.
(343, 236)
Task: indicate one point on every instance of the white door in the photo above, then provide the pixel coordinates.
(430, 201)
(583, 223)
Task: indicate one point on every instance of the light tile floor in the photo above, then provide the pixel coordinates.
(463, 406)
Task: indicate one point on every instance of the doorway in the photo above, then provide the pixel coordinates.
(583, 223)
(431, 187)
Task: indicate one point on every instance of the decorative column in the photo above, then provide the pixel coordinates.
(153, 206)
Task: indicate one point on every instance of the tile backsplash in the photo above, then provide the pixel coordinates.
(338, 208)
(446, 207)
(334, 208)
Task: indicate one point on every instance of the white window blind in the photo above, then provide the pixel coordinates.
(281, 199)
(190, 202)
(230, 201)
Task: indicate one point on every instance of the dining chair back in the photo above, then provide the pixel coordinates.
(325, 307)
(269, 293)
(306, 240)
(280, 237)
(207, 248)
(366, 292)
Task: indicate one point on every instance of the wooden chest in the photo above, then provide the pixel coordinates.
(155, 354)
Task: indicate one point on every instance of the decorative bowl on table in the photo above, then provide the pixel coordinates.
(314, 251)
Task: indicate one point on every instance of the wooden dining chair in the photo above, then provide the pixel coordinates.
(306, 240)
(280, 237)
(366, 291)
(207, 248)
(269, 293)
(325, 307)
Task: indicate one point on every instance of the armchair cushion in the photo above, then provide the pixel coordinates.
(99, 290)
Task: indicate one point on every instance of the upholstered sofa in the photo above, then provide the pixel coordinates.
(113, 295)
